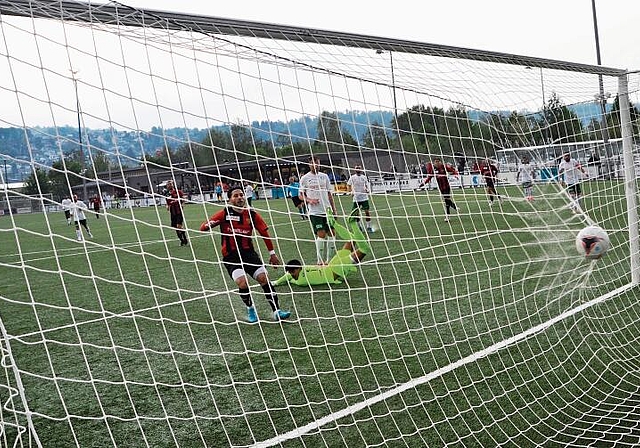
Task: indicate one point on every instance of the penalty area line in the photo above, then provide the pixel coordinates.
(295, 433)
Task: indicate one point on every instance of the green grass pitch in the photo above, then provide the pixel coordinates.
(130, 340)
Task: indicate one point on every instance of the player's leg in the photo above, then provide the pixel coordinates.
(355, 235)
(318, 227)
(178, 223)
(260, 274)
(234, 268)
(78, 231)
(86, 227)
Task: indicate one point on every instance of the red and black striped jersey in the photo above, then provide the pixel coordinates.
(237, 229)
(174, 200)
(441, 173)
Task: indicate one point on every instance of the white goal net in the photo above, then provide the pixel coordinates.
(465, 315)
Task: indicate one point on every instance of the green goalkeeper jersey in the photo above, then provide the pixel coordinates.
(338, 268)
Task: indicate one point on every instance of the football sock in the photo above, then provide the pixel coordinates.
(342, 232)
(331, 246)
(245, 295)
(320, 248)
(361, 241)
(271, 296)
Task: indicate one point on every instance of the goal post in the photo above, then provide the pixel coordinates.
(455, 311)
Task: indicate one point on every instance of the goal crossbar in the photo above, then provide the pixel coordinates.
(88, 12)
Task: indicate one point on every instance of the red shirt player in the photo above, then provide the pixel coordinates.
(239, 257)
(96, 206)
(441, 172)
(490, 173)
(175, 197)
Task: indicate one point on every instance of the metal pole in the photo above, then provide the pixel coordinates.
(544, 101)
(83, 171)
(629, 178)
(602, 98)
(6, 179)
(393, 87)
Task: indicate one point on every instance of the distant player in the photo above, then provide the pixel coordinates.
(248, 193)
(315, 193)
(77, 210)
(489, 171)
(237, 223)
(526, 175)
(218, 191)
(571, 172)
(441, 172)
(293, 190)
(175, 197)
(67, 204)
(96, 205)
(341, 265)
(359, 187)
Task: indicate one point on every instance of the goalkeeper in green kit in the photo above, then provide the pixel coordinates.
(340, 266)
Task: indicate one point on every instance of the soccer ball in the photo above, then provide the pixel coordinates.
(592, 242)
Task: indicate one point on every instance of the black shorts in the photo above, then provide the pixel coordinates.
(248, 261)
(176, 219)
(296, 201)
(67, 214)
(574, 189)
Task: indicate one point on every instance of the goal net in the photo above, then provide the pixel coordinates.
(471, 318)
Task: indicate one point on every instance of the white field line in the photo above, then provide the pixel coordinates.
(438, 373)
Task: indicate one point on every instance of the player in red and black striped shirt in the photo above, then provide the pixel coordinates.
(441, 172)
(489, 171)
(174, 205)
(239, 257)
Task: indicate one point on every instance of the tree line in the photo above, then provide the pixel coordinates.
(420, 129)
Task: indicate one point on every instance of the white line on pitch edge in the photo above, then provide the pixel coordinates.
(437, 373)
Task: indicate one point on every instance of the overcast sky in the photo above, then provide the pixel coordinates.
(554, 29)
(202, 91)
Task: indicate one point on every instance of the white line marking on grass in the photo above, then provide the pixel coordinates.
(437, 373)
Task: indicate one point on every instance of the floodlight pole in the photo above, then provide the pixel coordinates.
(83, 171)
(393, 86)
(601, 97)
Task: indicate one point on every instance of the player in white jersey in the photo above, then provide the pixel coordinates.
(77, 210)
(526, 175)
(359, 187)
(248, 192)
(571, 172)
(66, 208)
(315, 192)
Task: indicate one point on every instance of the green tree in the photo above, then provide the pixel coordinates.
(63, 175)
(100, 163)
(562, 124)
(613, 119)
(37, 183)
(376, 137)
(329, 132)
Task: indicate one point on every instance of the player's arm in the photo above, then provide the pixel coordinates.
(214, 221)
(430, 174)
(286, 278)
(302, 195)
(330, 194)
(263, 230)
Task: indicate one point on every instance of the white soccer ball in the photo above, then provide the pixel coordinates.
(592, 242)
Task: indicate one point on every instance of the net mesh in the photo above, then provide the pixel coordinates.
(472, 324)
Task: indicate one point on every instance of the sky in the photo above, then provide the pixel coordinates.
(552, 29)
(202, 90)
